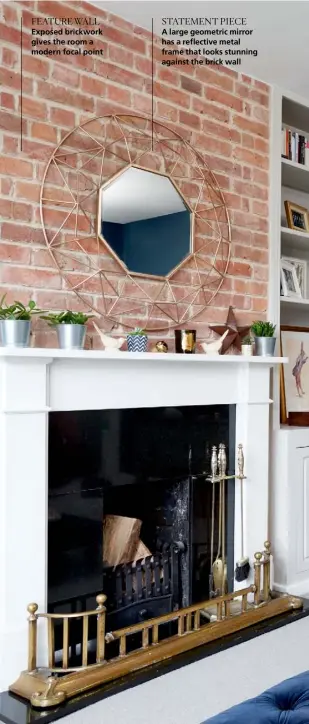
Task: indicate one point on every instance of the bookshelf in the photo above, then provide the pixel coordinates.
(289, 453)
(293, 243)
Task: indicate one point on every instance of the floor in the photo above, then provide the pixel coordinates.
(198, 691)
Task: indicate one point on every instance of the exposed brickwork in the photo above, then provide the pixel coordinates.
(225, 115)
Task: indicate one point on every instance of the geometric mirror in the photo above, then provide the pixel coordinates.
(145, 221)
(135, 222)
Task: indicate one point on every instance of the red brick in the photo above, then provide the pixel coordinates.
(172, 95)
(122, 76)
(225, 99)
(208, 109)
(15, 167)
(7, 100)
(119, 95)
(264, 87)
(10, 14)
(238, 269)
(259, 208)
(250, 190)
(260, 240)
(142, 103)
(15, 253)
(65, 75)
(260, 177)
(28, 277)
(127, 40)
(34, 108)
(167, 75)
(21, 232)
(225, 132)
(190, 85)
(163, 110)
(251, 157)
(211, 76)
(62, 117)
(255, 223)
(36, 66)
(60, 94)
(261, 114)
(6, 186)
(261, 145)
(247, 140)
(120, 55)
(10, 57)
(9, 79)
(213, 145)
(44, 131)
(10, 35)
(10, 144)
(11, 122)
(245, 124)
(190, 119)
(143, 65)
(258, 304)
(29, 191)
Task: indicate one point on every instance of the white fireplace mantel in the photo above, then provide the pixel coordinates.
(34, 382)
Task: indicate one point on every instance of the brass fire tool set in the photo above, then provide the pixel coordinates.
(47, 687)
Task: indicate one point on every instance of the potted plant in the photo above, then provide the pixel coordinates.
(247, 346)
(70, 326)
(15, 322)
(264, 339)
(137, 340)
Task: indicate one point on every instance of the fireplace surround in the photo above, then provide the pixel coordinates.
(35, 382)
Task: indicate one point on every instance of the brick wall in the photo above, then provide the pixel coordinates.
(223, 114)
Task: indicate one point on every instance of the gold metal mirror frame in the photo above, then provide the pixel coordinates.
(114, 254)
(90, 156)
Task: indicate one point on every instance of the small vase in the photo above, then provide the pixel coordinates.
(265, 346)
(15, 332)
(137, 342)
(246, 350)
(71, 336)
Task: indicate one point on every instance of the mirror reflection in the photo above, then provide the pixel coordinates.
(145, 221)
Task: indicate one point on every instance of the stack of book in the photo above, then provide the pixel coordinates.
(295, 146)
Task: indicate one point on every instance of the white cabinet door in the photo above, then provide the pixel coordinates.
(299, 500)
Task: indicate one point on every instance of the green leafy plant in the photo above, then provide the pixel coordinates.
(18, 311)
(138, 332)
(263, 329)
(247, 340)
(67, 317)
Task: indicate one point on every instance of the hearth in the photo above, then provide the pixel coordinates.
(130, 510)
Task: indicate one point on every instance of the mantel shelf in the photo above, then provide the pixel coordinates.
(90, 355)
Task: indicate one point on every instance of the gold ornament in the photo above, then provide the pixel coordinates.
(161, 347)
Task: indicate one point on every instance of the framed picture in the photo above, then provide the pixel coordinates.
(297, 216)
(289, 281)
(300, 266)
(294, 387)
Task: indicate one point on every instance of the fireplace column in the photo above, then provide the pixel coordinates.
(23, 503)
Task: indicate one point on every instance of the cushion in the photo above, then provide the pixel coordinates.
(286, 703)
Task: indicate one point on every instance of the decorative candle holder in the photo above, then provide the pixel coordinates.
(185, 341)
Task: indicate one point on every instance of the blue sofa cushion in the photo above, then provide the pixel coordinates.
(286, 703)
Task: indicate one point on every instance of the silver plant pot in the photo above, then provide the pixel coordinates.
(71, 336)
(15, 332)
(265, 346)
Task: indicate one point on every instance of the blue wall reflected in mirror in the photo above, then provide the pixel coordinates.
(145, 221)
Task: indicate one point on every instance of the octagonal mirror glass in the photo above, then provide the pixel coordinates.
(145, 221)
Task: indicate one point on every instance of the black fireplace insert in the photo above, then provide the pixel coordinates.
(145, 468)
